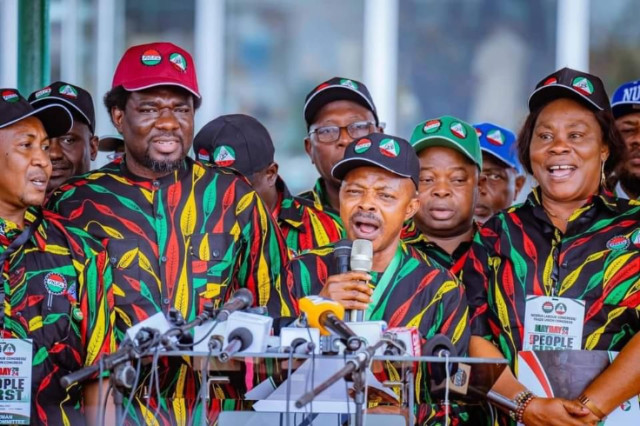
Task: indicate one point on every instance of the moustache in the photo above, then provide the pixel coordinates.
(367, 217)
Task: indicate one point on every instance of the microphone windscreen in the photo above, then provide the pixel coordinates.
(314, 306)
(244, 335)
(361, 255)
(244, 294)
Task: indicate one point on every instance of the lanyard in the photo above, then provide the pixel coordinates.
(15, 245)
(373, 314)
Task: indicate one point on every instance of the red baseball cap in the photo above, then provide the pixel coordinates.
(156, 64)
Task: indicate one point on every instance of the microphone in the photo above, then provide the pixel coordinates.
(239, 340)
(440, 346)
(241, 299)
(361, 260)
(326, 315)
(341, 251)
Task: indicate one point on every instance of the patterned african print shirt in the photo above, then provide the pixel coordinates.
(519, 252)
(179, 241)
(303, 226)
(318, 196)
(413, 293)
(412, 236)
(56, 288)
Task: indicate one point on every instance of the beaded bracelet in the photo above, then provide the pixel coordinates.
(522, 400)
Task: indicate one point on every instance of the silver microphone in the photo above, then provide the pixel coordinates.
(361, 260)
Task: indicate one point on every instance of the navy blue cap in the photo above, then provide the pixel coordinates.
(626, 99)
(499, 143)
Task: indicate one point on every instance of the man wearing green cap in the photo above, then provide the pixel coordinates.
(450, 164)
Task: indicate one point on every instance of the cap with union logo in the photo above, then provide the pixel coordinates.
(569, 83)
(75, 98)
(499, 143)
(448, 132)
(626, 99)
(391, 153)
(156, 64)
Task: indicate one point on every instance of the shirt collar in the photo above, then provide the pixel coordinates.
(288, 209)
(620, 192)
(162, 182)
(603, 198)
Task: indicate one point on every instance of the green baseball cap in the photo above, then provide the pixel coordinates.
(448, 132)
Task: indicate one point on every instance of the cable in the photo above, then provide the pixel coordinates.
(313, 373)
(204, 385)
(288, 389)
(156, 376)
(100, 381)
(132, 394)
(104, 403)
(346, 388)
(446, 388)
(206, 336)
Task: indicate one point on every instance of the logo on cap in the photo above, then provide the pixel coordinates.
(224, 156)
(582, 85)
(550, 80)
(619, 242)
(431, 126)
(478, 132)
(10, 96)
(178, 61)
(43, 92)
(458, 130)
(55, 283)
(349, 83)
(203, 154)
(68, 91)
(389, 148)
(151, 57)
(362, 145)
(496, 137)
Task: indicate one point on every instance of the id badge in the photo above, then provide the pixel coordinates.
(553, 323)
(15, 381)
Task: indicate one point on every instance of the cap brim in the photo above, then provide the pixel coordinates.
(67, 103)
(331, 94)
(545, 94)
(109, 144)
(500, 158)
(430, 141)
(623, 108)
(147, 83)
(55, 118)
(342, 167)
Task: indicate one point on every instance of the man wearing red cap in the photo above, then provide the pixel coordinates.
(180, 233)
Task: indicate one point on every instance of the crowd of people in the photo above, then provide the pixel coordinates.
(86, 254)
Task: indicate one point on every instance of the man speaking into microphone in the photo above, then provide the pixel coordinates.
(379, 175)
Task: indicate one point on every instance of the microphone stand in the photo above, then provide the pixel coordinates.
(357, 367)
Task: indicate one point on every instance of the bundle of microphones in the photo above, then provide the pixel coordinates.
(239, 328)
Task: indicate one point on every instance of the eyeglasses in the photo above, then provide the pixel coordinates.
(330, 134)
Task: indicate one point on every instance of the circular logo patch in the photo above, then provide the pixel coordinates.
(389, 148)
(495, 137)
(68, 91)
(349, 83)
(547, 307)
(43, 92)
(55, 283)
(619, 242)
(432, 126)
(9, 349)
(551, 80)
(178, 61)
(10, 96)
(151, 57)
(625, 406)
(77, 314)
(458, 130)
(561, 308)
(362, 145)
(203, 155)
(224, 156)
(582, 85)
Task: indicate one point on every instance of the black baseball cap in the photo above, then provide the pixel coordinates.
(56, 119)
(110, 143)
(235, 140)
(392, 153)
(569, 83)
(75, 98)
(337, 89)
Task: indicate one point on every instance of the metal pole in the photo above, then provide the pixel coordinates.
(33, 45)
(572, 34)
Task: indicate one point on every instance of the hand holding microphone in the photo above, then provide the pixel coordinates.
(349, 289)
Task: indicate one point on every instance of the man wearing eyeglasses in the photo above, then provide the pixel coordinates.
(337, 111)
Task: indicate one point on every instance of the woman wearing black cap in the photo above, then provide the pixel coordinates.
(562, 270)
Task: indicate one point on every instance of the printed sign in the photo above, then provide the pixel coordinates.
(15, 381)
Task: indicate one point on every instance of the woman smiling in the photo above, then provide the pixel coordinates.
(571, 249)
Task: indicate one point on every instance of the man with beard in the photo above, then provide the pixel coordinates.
(450, 164)
(54, 278)
(625, 106)
(501, 179)
(379, 175)
(71, 154)
(180, 234)
(243, 143)
(336, 111)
